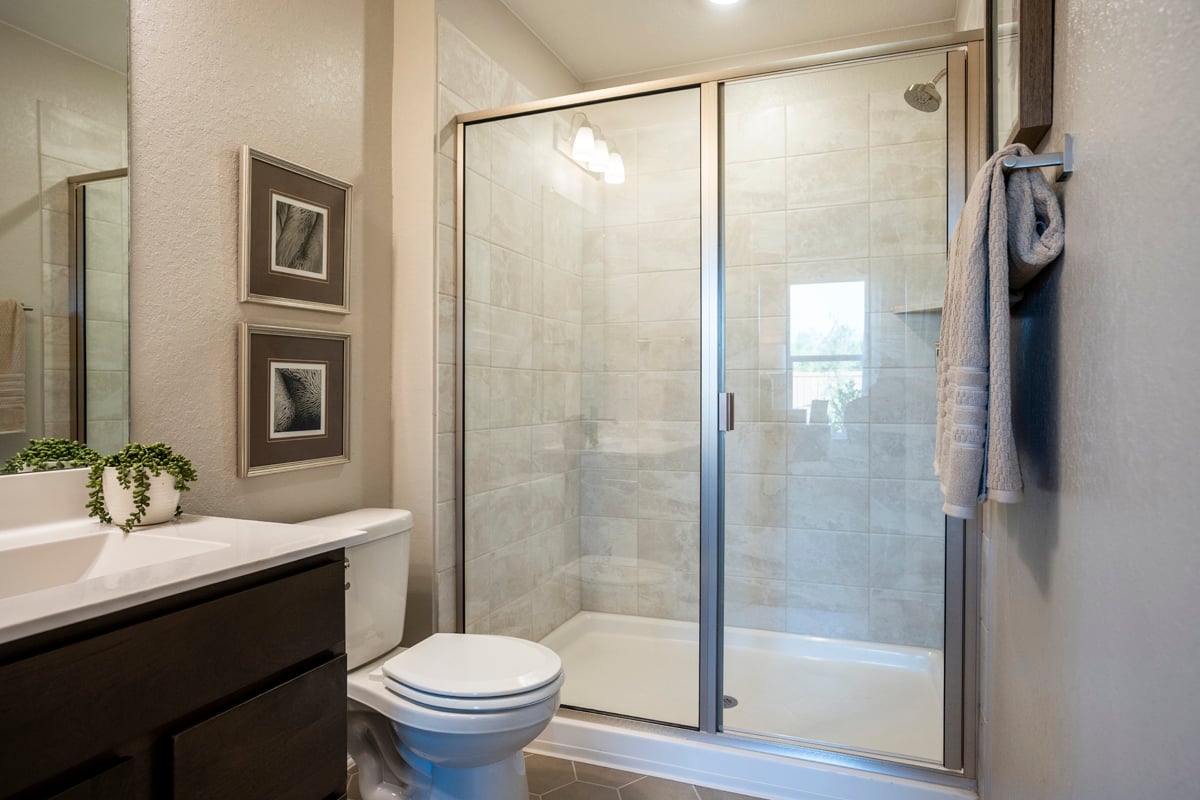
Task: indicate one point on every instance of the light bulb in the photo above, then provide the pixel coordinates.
(584, 145)
(722, 2)
(599, 159)
(615, 172)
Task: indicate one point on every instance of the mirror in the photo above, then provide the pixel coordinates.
(64, 222)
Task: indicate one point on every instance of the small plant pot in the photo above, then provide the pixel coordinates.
(164, 499)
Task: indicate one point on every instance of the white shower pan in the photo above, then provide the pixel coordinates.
(872, 698)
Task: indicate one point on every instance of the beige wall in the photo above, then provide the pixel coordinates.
(1092, 583)
(300, 81)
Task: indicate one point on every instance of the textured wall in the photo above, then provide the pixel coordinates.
(308, 83)
(1092, 583)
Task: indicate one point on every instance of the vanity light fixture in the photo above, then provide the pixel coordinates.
(583, 139)
(599, 160)
(615, 172)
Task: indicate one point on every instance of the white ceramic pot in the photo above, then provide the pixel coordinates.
(164, 499)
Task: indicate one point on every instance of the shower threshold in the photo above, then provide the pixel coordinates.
(873, 698)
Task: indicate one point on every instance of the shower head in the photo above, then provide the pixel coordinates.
(925, 96)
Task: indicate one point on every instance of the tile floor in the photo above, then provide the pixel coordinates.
(556, 779)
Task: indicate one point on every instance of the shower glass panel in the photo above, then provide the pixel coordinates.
(581, 402)
(835, 232)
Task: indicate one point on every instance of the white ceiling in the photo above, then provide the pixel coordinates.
(602, 39)
(98, 30)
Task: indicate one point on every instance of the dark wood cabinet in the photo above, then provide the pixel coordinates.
(233, 690)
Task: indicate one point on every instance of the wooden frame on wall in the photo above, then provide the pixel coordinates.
(1022, 47)
(293, 399)
(294, 235)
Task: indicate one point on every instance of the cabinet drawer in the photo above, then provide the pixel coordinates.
(73, 704)
(114, 783)
(287, 742)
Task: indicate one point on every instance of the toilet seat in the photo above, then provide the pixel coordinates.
(476, 705)
(449, 666)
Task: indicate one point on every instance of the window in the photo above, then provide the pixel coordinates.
(826, 337)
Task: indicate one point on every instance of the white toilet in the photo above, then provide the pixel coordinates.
(447, 718)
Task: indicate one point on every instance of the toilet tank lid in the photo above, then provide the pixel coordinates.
(376, 522)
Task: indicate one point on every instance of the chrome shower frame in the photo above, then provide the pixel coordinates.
(967, 150)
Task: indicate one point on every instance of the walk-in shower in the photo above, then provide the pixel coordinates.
(771, 568)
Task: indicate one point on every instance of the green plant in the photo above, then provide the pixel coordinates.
(135, 464)
(42, 455)
(843, 395)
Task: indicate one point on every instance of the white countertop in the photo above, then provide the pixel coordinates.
(231, 548)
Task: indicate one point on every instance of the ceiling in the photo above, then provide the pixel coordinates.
(98, 30)
(598, 41)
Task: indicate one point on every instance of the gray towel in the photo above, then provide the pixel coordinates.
(1011, 227)
(12, 366)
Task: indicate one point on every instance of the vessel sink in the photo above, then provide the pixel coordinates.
(41, 565)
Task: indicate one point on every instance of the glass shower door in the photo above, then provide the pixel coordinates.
(582, 395)
(834, 543)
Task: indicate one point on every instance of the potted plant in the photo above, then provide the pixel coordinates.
(140, 485)
(43, 455)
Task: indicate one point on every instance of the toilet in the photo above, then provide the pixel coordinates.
(447, 718)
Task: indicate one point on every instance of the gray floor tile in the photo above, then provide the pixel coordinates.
(547, 773)
(657, 789)
(582, 791)
(605, 776)
(719, 794)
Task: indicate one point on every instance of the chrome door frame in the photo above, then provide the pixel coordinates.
(964, 156)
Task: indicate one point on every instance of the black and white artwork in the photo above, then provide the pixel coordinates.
(299, 236)
(298, 399)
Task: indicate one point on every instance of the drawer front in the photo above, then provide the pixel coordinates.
(114, 783)
(77, 702)
(289, 742)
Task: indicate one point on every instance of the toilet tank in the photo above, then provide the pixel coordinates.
(376, 580)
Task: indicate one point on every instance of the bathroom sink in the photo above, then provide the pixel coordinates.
(41, 565)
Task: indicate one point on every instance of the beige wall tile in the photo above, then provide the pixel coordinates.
(829, 557)
(913, 508)
(832, 232)
(823, 610)
(902, 451)
(669, 396)
(668, 445)
(894, 121)
(756, 291)
(668, 495)
(756, 500)
(608, 493)
(755, 239)
(817, 449)
(753, 133)
(666, 346)
(908, 227)
(755, 552)
(669, 195)
(820, 126)
(668, 594)
(828, 503)
(463, 67)
(755, 603)
(902, 171)
(757, 448)
(907, 618)
(754, 187)
(673, 244)
(828, 179)
(672, 146)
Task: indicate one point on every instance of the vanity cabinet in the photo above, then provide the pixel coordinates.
(237, 689)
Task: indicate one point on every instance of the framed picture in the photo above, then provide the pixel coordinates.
(1022, 47)
(293, 399)
(295, 235)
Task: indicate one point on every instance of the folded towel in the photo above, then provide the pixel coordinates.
(12, 366)
(1011, 227)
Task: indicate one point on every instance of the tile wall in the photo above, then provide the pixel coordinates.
(582, 350)
(835, 531)
(640, 458)
(73, 144)
(524, 210)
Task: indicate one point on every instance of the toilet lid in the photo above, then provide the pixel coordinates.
(474, 665)
(476, 705)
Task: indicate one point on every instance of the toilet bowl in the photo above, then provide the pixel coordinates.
(445, 719)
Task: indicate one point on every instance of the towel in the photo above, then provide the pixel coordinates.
(1011, 227)
(12, 366)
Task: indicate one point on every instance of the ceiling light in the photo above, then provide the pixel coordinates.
(615, 172)
(722, 2)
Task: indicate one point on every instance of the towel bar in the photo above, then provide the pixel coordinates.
(1065, 159)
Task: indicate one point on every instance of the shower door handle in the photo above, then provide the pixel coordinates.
(725, 411)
